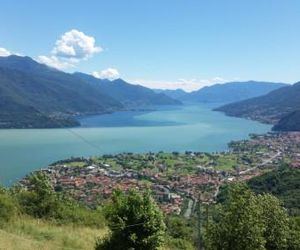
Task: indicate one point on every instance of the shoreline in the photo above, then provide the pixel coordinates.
(125, 136)
(173, 177)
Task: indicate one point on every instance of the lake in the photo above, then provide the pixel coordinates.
(194, 128)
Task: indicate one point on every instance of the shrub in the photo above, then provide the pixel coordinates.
(41, 201)
(8, 208)
(179, 244)
(249, 222)
(135, 222)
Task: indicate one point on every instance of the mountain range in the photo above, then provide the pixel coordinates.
(173, 93)
(267, 102)
(131, 96)
(225, 93)
(290, 122)
(280, 107)
(35, 95)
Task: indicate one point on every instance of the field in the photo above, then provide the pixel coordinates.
(31, 234)
(28, 234)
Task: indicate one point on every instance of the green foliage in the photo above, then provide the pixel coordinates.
(294, 234)
(223, 193)
(8, 208)
(135, 221)
(40, 201)
(180, 233)
(283, 183)
(248, 221)
(26, 233)
(276, 222)
(179, 227)
(2, 190)
(179, 244)
(290, 122)
(71, 212)
(239, 226)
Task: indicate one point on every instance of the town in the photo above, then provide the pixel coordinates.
(176, 180)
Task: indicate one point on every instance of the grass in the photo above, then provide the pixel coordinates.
(177, 164)
(226, 162)
(76, 164)
(30, 234)
(33, 234)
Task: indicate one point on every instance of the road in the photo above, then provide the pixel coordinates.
(261, 164)
(188, 211)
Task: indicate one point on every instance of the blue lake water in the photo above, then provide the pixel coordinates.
(195, 128)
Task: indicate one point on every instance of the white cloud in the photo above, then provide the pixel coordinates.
(55, 62)
(70, 49)
(185, 84)
(4, 52)
(109, 73)
(75, 44)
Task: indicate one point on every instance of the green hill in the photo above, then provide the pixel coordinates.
(283, 183)
(33, 95)
(269, 108)
(291, 122)
(131, 96)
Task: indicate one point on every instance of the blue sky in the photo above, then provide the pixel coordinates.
(160, 43)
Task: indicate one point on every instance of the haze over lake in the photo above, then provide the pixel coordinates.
(194, 128)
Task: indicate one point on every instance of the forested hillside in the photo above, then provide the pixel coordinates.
(131, 96)
(284, 183)
(269, 108)
(33, 95)
(290, 122)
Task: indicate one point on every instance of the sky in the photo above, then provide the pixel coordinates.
(170, 44)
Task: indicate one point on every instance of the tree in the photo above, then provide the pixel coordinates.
(283, 183)
(8, 208)
(180, 233)
(294, 235)
(40, 200)
(238, 226)
(275, 220)
(135, 222)
(249, 221)
(179, 227)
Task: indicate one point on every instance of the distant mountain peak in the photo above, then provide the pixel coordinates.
(23, 63)
(131, 95)
(231, 91)
(275, 106)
